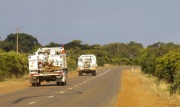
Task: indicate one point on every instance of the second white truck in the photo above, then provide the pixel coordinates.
(87, 64)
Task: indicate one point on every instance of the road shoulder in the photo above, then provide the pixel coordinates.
(135, 93)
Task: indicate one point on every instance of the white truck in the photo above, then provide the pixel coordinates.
(48, 64)
(87, 64)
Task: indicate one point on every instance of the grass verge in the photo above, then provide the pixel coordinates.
(159, 87)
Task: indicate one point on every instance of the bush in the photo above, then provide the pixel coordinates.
(147, 62)
(100, 61)
(175, 86)
(125, 61)
(115, 61)
(167, 66)
(71, 64)
(13, 65)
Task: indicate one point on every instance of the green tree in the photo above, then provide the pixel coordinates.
(52, 44)
(100, 61)
(7, 46)
(73, 44)
(71, 64)
(147, 61)
(134, 50)
(26, 42)
(167, 66)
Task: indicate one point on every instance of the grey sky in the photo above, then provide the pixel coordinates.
(93, 21)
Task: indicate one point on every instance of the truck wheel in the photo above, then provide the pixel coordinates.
(80, 73)
(94, 73)
(62, 83)
(33, 84)
(38, 84)
(58, 83)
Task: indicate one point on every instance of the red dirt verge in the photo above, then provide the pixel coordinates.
(135, 93)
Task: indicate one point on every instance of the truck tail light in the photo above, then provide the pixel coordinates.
(60, 73)
(31, 75)
(63, 51)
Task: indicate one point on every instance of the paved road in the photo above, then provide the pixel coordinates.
(80, 91)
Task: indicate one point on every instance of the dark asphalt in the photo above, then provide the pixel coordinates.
(80, 91)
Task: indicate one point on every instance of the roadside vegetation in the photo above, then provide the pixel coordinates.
(160, 60)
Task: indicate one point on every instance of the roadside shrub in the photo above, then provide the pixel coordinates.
(13, 65)
(100, 61)
(175, 86)
(167, 66)
(148, 63)
(71, 64)
(125, 61)
(115, 61)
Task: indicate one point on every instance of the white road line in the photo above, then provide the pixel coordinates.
(50, 96)
(62, 92)
(31, 103)
(104, 73)
(88, 79)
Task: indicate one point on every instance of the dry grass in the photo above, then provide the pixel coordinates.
(159, 87)
(14, 81)
(72, 74)
(24, 78)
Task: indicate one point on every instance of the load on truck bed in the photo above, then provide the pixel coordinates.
(87, 64)
(48, 64)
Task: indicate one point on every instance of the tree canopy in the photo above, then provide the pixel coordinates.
(26, 43)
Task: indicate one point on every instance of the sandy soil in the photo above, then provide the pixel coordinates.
(135, 93)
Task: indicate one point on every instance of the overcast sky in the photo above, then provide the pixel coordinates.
(93, 21)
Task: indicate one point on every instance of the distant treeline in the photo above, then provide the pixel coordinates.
(159, 59)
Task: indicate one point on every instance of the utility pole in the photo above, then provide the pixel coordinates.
(17, 38)
(118, 50)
